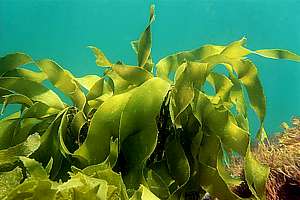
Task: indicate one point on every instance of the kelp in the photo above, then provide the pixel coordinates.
(103, 183)
(136, 132)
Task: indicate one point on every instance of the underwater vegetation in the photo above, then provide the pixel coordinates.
(149, 131)
(283, 158)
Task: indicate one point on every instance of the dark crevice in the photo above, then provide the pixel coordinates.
(289, 191)
(242, 190)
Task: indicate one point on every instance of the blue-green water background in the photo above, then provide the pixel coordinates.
(61, 30)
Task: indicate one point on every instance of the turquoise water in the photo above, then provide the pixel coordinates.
(61, 30)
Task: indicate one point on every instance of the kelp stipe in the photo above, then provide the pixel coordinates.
(133, 133)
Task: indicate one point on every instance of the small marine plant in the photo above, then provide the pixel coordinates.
(282, 155)
(149, 131)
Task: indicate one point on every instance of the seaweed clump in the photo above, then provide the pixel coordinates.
(282, 155)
